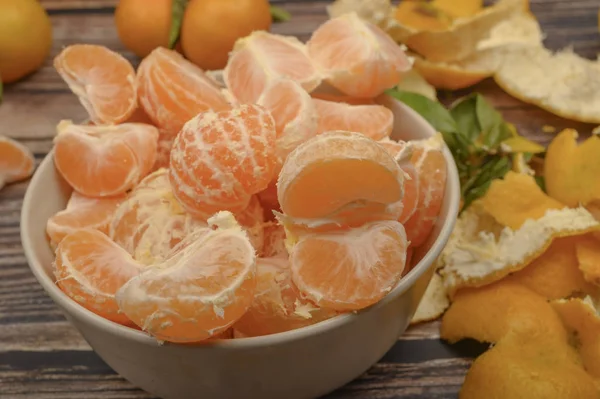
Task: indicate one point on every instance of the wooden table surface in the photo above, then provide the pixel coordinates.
(43, 356)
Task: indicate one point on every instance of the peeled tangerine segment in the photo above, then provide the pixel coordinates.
(490, 313)
(150, 222)
(572, 170)
(336, 170)
(103, 80)
(293, 112)
(82, 212)
(200, 291)
(357, 57)
(16, 161)
(90, 268)
(277, 304)
(103, 161)
(374, 121)
(220, 159)
(172, 90)
(350, 269)
(430, 164)
(263, 56)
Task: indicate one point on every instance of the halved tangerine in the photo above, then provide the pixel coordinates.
(263, 56)
(374, 121)
(103, 161)
(200, 291)
(103, 80)
(90, 268)
(172, 90)
(357, 57)
(350, 269)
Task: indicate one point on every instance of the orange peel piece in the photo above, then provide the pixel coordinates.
(582, 322)
(587, 249)
(481, 251)
(516, 199)
(555, 274)
(572, 170)
(490, 313)
(522, 366)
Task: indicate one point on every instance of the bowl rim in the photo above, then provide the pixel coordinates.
(79, 312)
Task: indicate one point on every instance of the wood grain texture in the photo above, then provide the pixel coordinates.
(42, 356)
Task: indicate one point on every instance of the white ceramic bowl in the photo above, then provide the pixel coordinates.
(304, 363)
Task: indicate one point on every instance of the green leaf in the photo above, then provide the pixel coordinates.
(465, 115)
(279, 14)
(177, 10)
(432, 111)
(493, 127)
(478, 185)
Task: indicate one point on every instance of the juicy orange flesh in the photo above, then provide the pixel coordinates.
(350, 269)
(90, 268)
(374, 121)
(326, 186)
(175, 303)
(249, 79)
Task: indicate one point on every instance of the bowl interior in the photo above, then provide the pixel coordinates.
(48, 193)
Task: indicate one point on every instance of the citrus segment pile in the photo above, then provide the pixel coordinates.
(247, 207)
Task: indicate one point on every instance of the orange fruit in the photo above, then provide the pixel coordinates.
(172, 90)
(220, 159)
(142, 28)
(431, 168)
(349, 269)
(25, 38)
(277, 304)
(16, 161)
(205, 287)
(293, 111)
(263, 56)
(150, 223)
(403, 154)
(90, 268)
(357, 57)
(374, 121)
(341, 176)
(274, 242)
(103, 80)
(211, 27)
(82, 212)
(103, 161)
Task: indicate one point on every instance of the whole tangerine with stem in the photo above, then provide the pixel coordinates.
(141, 27)
(211, 27)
